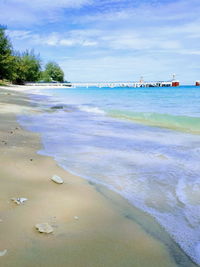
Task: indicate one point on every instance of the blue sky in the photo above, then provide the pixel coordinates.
(110, 40)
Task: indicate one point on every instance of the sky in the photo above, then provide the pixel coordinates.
(109, 40)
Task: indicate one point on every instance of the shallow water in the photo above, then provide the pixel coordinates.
(142, 143)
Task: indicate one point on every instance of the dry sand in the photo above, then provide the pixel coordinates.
(108, 231)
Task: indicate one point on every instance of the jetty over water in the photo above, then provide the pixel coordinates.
(140, 83)
(110, 84)
(124, 84)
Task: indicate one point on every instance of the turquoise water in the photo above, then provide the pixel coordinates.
(143, 143)
(166, 107)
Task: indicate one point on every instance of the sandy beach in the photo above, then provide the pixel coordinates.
(92, 225)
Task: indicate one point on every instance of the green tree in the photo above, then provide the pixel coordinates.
(6, 56)
(27, 67)
(45, 77)
(24, 67)
(53, 72)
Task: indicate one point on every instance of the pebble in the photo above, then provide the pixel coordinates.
(57, 179)
(19, 200)
(44, 228)
(76, 217)
(3, 252)
(57, 107)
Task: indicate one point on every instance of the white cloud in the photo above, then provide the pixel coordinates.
(118, 40)
(151, 11)
(67, 42)
(58, 40)
(19, 34)
(52, 39)
(46, 4)
(134, 41)
(34, 12)
(75, 42)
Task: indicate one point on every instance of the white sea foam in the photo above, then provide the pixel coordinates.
(91, 109)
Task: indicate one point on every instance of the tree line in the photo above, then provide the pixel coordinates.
(21, 67)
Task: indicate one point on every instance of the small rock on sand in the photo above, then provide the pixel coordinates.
(57, 107)
(19, 200)
(44, 228)
(76, 217)
(57, 179)
(3, 252)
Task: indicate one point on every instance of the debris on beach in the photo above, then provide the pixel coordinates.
(3, 252)
(57, 179)
(44, 228)
(76, 217)
(19, 200)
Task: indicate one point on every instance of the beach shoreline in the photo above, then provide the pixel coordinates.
(92, 225)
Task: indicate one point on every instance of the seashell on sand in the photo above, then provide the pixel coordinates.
(57, 179)
(3, 252)
(44, 228)
(19, 200)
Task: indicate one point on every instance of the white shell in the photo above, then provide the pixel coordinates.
(76, 217)
(44, 228)
(19, 200)
(57, 179)
(3, 252)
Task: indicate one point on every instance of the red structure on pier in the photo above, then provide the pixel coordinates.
(197, 83)
(175, 82)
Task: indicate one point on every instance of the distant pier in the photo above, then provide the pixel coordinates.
(140, 83)
(128, 84)
(109, 84)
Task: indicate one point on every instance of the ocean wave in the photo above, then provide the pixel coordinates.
(91, 109)
(175, 122)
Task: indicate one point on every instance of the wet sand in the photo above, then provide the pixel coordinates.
(108, 232)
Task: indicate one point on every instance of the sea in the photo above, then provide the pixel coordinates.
(143, 143)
